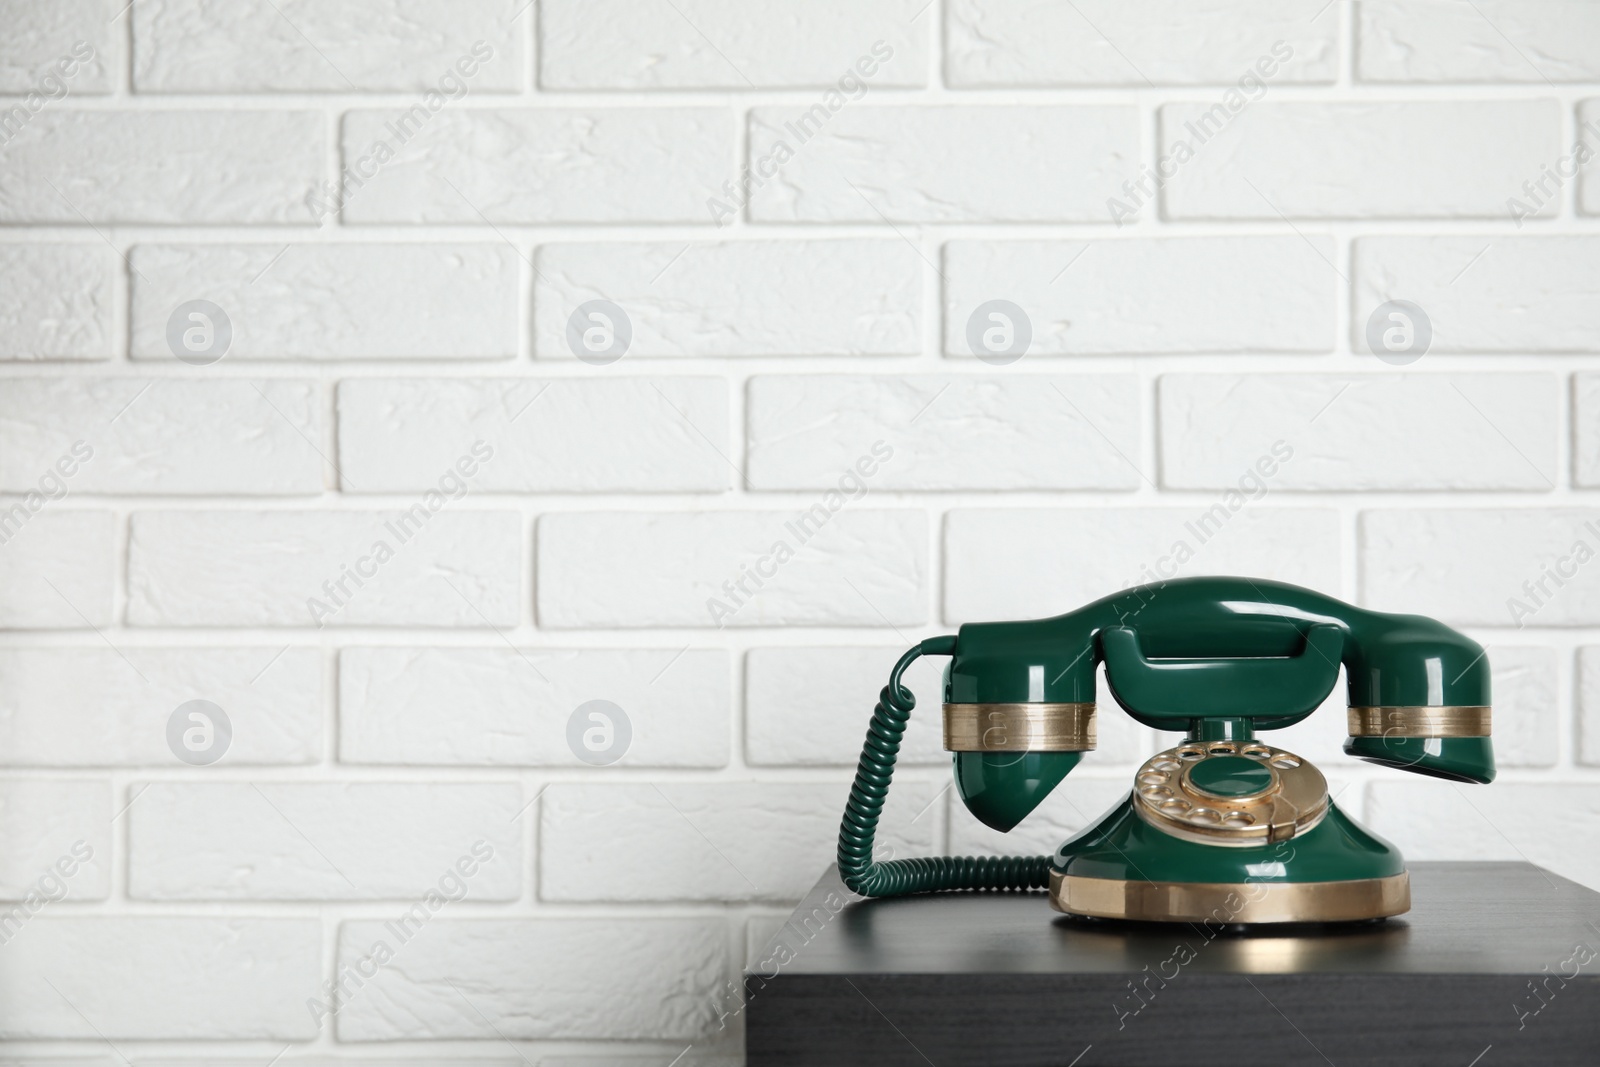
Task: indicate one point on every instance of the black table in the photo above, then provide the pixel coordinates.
(1496, 964)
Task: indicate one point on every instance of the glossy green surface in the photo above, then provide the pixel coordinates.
(1226, 657)
(1122, 845)
(1167, 693)
(1001, 788)
(1460, 759)
(1231, 776)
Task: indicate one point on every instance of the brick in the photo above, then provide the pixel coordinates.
(1360, 432)
(744, 298)
(160, 435)
(1589, 136)
(58, 49)
(57, 566)
(710, 841)
(265, 568)
(535, 979)
(721, 44)
(1007, 563)
(511, 707)
(943, 432)
(590, 165)
(55, 301)
(840, 568)
(939, 164)
(1534, 822)
(1075, 804)
(121, 701)
(1589, 705)
(1485, 41)
(1168, 296)
(79, 166)
(161, 977)
(1484, 294)
(811, 706)
(1527, 567)
(57, 842)
(993, 43)
(563, 435)
(184, 46)
(324, 841)
(346, 301)
(1526, 727)
(1366, 159)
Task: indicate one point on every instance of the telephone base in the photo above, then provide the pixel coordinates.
(1127, 867)
(1227, 903)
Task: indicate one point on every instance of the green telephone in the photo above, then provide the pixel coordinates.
(1223, 827)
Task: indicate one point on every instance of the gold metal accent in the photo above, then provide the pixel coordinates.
(1166, 797)
(1019, 727)
(1422, 721)
(1229, 902)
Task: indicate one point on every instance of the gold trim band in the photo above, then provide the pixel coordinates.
(1019, 727)
(1432, 721)
(1226, 902)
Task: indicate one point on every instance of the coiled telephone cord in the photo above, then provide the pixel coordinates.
(894, 878)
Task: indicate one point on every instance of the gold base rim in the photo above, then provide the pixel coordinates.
(1231, 902)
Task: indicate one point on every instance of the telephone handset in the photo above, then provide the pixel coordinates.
(1223, 827)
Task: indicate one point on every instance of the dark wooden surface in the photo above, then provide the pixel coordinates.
(1496, 964)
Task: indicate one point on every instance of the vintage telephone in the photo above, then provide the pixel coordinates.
(1223, 827)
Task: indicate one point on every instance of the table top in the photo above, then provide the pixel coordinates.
(1466, 918)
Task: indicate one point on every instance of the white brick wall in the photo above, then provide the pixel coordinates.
(162, 435)
(592, 711)
(89, 977)
(745, 298)
(313, 568)
(647, 435)
(945, 432)
(319, 841)
(1165, 296)
(1368, 431)
(180, 48)
(509, 706)
(348, 301)
(1101, 42)
(617, 44)
(926, 164)
(55, 301)
(733, 840)
(842, 568)
(91, 166)
(1373, 159)
(1490, 294)
(619, 165)
(1438, 41)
